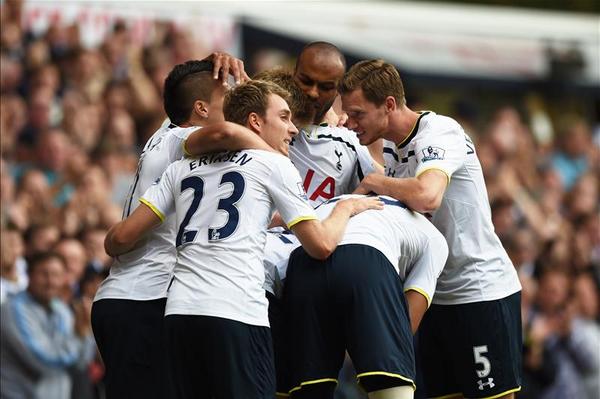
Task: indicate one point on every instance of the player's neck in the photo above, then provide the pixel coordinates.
(195, 121)
(401, 124)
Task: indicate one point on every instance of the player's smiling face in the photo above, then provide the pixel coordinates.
(277, 128)
(364, 117)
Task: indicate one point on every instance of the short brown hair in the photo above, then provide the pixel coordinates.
(377, 79)
(300, 104)
(251, 96)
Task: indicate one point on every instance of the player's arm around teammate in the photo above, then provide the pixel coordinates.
(276, 129)
(320, 238)
(423, 193)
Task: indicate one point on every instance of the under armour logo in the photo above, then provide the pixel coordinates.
(215, 235)
(489, 383)
(339, 163)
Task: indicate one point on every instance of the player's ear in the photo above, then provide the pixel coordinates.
(201, 108)
(254, 122)
(390, 104)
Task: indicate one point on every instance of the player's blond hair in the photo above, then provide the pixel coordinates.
(377, 79)
(251, 96)
(300, 104)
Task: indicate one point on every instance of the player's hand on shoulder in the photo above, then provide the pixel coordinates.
(331, 118)
(359, 205)
(342, 119)
(229, 65)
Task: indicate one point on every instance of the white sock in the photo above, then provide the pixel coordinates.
(402, 392)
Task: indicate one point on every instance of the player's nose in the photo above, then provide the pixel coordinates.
(292, 130)
(313, 92)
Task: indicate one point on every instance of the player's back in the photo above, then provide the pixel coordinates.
(223, 204)
(401, 234)
(330, 160)
(144, 273)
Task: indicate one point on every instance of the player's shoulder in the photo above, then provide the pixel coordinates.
(267, 155)
(268, 160)
(337, 134)
(433, 123)
(333, 132)
(164, 133)
(182, 132)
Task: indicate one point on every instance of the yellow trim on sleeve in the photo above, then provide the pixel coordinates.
(432, 168)
(185, 151)
(282, 394)
(154, 209)
(300, 219)
(313, 382)
(385, 373)
(503, 393)
(452, 395)
(420, 291)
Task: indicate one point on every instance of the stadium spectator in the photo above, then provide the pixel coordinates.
(41, 338)
(566, 337)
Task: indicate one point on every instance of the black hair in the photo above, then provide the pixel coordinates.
(325, 47)
(184, 86)
(37, 259)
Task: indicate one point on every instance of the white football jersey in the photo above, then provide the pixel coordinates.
(330, 160)
(415, 248)
(223, 203)
(145, 272)
(280, 244)
(407, 239)
(478, 268)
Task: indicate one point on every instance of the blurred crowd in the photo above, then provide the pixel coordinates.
(73, 120)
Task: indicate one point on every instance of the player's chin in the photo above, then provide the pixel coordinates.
(363, 138)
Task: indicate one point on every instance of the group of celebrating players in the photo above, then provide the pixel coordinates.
(261, 241)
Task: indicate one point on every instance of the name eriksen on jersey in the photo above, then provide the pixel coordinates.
(230, 156)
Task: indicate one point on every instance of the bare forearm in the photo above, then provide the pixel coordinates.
(114, 245)
(417, 306)
(222, 136)
(408, 190)
(320, 238)
(335, 224)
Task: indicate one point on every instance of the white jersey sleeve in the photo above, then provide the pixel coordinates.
(177, 140)
(442, 150)
(285, 187)
(423, 274)
(160, 196)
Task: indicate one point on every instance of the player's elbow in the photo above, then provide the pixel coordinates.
(321, 253)
(426, 200)
(321, 250)
(430, 203)
(115, 240)
(428, 191)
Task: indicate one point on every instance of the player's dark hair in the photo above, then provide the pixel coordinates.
(251, 96)
(186, 84)
(323, 47)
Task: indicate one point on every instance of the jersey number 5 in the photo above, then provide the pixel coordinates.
(226, 204)
(478, 352)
